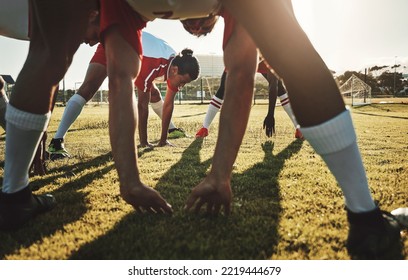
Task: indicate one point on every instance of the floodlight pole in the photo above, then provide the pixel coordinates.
(63, 89)
(352, 97)
(201, 90)
(365, 81)
(395, 72)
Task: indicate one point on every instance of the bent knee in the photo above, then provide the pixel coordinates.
(155, 97)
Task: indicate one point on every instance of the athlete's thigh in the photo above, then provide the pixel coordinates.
(143, 98)
(155, 95)
(95, 75)
(59, 25)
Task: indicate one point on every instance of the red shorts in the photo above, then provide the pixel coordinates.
(130, 23)
(99, 56)
(263, 68)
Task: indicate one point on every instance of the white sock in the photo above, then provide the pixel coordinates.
(3, 106)
(213, 109)
(335, 141)
(284, 101)
(158, 109)
(24, 132)
(71, 113)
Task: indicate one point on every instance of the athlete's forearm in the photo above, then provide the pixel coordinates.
(233, 121)
(122, 128)
(168, 107)
(143, 113)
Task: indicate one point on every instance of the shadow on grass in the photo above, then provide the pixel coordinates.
(2, 138)
(381, 107)
(70, 170)
(192, 115)
(68, 210)
(378, 115)
(249, 233)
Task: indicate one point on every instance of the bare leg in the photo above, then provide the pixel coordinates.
(94, 77)
(330, 131)
(52, 46)
(50, 53)
(289, 52)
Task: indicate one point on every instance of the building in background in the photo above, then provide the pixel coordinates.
(211, 65)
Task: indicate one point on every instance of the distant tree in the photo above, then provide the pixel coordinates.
(367, 78)
(395, 66)
(386, 81)
(377, 70)
(341, 79)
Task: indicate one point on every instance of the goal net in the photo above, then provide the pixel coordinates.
(355, 92)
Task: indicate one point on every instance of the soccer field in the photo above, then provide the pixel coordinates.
(286, 203)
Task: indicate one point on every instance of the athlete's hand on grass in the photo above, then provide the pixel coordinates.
(165, 143)
(146, 145)
(145, 199)
(211, 195)
(269, 125)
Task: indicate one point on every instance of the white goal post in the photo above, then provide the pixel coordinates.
(356, 92)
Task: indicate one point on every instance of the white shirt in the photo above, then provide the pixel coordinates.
(14, 16)
(156, 47)
(174, 9)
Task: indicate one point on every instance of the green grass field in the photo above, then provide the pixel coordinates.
(286, 203)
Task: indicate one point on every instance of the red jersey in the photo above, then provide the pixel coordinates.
(263, 68)
(121, 15)
(132, 18)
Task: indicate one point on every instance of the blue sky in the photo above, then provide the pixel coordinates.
(348, 34)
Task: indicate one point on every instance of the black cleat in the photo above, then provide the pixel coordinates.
(374, 235)
(18, 208)
(56, 149)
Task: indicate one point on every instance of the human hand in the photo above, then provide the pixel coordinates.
(165, 143)
(145, 199)
(213, 195)
(269, 125)
(146, 145)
